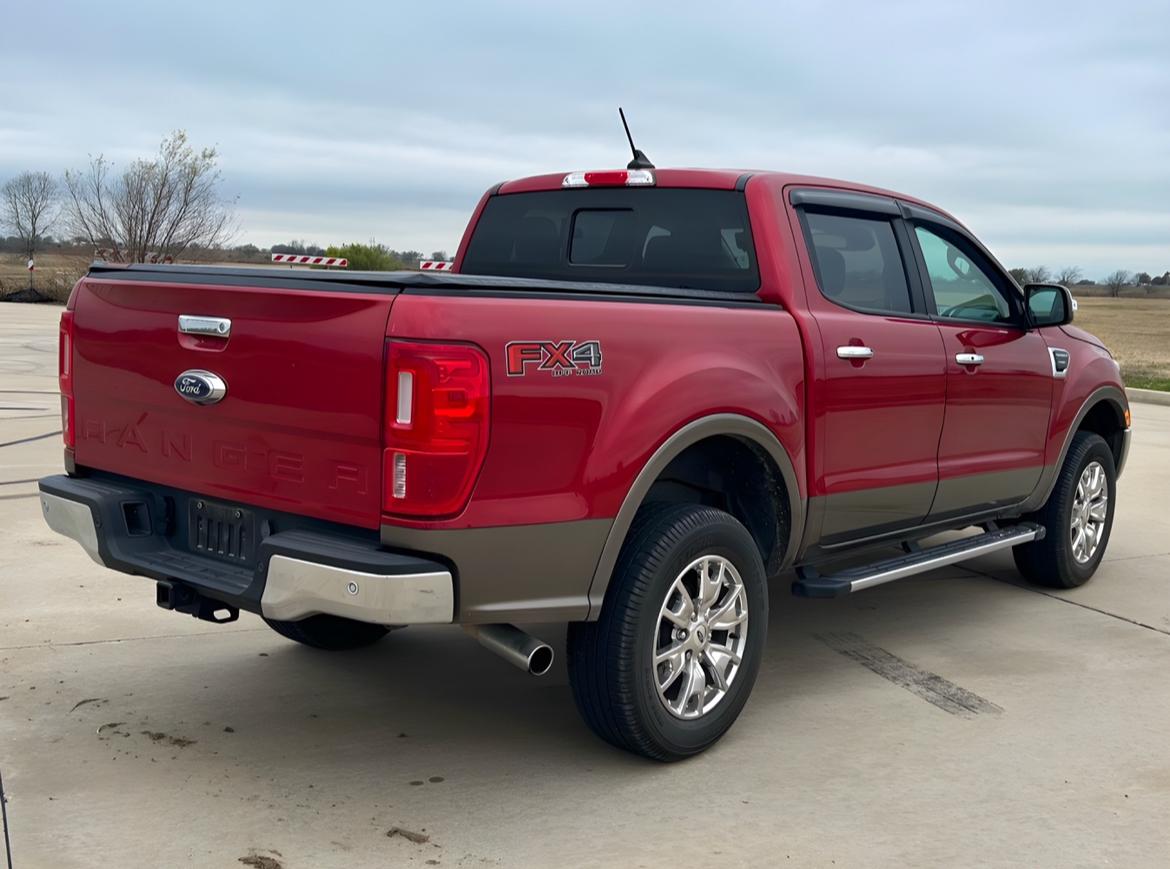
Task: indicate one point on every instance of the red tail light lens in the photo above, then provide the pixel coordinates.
(65, 378)
(437, 419)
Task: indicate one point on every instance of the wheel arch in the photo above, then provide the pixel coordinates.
(1102, 413)
(727, 445)
(1106, 418)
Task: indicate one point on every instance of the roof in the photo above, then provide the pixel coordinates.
(717, 179)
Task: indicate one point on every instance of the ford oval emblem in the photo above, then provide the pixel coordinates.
(200, 387)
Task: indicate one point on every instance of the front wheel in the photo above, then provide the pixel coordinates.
(1077, 518)
(669, 665)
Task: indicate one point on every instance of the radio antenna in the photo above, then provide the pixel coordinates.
(640, 161)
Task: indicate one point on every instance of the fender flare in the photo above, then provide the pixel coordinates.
(732, 424)
(1047, 483)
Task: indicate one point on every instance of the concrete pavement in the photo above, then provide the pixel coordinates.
(956, 719)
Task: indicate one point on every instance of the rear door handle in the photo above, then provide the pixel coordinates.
(851, 352)
(968, 358)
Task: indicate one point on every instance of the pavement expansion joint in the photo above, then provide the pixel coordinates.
(39, 437)
(1086, 606)
(116, 640)
(1134, 557)
(4, 817)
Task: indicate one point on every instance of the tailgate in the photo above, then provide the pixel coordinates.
(299, 428)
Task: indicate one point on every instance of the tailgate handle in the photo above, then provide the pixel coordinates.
(219, 327)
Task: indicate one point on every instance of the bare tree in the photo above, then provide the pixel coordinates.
(30, 205)
(1068, 275)
(1037, 275)
(161, 206)
(1115, 281)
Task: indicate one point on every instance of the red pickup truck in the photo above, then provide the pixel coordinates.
(639, 395)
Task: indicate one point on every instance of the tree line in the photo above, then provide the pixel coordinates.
(1071, 276)
(154, 209)
(373, 257)
(172, 204)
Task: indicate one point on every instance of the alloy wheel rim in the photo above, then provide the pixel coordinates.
(1089, 510)
(700, 637)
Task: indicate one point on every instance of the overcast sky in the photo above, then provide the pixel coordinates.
(1044, 126)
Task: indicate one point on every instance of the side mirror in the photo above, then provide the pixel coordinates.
(1049, 304)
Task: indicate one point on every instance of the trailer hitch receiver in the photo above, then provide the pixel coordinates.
(174, 595)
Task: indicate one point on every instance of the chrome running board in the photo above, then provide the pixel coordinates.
(812, 584)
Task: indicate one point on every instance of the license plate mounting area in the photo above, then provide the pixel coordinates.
(222, 531)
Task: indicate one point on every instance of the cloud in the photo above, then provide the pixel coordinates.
(1043, 125)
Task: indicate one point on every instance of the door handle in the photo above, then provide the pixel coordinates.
(968, 358)
(851, 352)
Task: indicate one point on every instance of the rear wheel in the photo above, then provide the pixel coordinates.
(1077, 518)
(669, 665)
(332, 633)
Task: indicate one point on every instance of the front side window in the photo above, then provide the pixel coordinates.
(858, 262)
(964, 287)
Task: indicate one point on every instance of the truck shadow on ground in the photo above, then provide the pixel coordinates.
(435, 691)
(428, 734)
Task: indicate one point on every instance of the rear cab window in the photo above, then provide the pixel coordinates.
(670, 237)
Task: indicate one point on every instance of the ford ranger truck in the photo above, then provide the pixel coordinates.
(639, 396)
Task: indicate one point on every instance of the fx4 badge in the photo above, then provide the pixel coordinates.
(562, 358)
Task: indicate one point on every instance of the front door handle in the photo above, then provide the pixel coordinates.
(851, 352)
(968, 358)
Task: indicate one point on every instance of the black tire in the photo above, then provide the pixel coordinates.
(332, 633)
(611, 666)
(1051, 562)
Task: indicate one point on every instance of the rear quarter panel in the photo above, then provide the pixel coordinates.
(568, 448)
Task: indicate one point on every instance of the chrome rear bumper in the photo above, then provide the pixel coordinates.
(297, 589)
(288, 576)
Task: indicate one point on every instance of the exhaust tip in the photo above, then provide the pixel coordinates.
(540, 661)
(515, 646)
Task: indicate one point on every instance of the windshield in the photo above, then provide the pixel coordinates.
(667, 237)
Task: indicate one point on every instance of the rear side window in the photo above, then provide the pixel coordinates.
(858, 262)
(668, 237)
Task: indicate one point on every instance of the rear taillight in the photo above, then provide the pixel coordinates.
(435, 432)
(65, 377)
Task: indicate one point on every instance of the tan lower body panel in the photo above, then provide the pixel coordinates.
(515, 573)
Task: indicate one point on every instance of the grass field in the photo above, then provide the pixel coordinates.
(55, 274)
(1137, 333)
